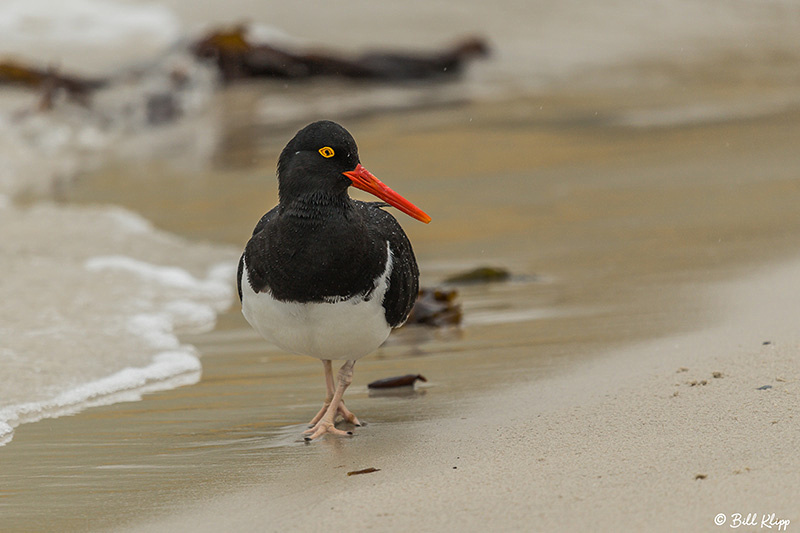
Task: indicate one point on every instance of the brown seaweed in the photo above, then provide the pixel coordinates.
(49, 81)
(484, 274)
(397, 66)
(363, 471)
(447, 62)
(236, 58)
(436, 307)
(398, 381)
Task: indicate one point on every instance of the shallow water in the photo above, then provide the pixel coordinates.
(612, 190)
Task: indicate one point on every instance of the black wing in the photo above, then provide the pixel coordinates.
(261, 224)
(404, 279)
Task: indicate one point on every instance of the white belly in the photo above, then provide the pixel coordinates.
(346, 329)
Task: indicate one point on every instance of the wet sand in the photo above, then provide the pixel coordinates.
(661, 436)
(562, 402)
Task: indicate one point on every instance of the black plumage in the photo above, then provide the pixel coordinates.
(340, 256)
(318, 247)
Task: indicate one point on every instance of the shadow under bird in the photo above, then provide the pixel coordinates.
(325, 275)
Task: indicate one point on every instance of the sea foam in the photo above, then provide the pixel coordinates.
(92, 304)
(168, 370)
(84, 22)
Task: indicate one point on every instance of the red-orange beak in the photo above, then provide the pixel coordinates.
(364, 180)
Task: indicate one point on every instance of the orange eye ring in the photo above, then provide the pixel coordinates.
(326, 152)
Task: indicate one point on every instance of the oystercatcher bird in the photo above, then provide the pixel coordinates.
(325, 275)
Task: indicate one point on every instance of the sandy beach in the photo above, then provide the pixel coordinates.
(661, 436)
(676, 406)
(635, 171)
(641, 375)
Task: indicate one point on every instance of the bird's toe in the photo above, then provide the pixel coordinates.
(321, 429)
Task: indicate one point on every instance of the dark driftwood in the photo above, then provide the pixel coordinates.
(238, 58)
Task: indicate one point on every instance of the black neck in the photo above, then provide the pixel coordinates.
(317, 206)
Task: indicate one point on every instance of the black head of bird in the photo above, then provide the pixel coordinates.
(322, 161)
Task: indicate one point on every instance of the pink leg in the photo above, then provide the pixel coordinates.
(325, 423)
(326, 364)
(342, 410)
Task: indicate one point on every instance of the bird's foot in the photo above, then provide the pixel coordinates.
(334, 405)
(321, 428)
(347, 415)
(319, 415)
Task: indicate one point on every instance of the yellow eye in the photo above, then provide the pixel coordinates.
(326, 152)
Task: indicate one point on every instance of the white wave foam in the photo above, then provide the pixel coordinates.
(155, 328)
(168, 370)
(93, 22)
(165, 275)
(82, 324)
(130, 221)
(132, 46)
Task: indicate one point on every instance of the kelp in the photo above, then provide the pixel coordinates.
(484, 274)
(436, 307)
(50, 81)
(397, 381)
(237, 57)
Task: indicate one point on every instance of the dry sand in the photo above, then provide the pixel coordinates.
(661, 436)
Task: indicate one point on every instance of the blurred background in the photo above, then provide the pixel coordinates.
(652, 63)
